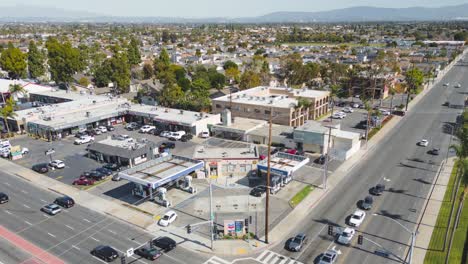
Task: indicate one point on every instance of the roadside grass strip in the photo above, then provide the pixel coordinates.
(301, 195)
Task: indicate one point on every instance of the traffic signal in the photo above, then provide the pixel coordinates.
(360, 239)
(189, 229)
(123, 260)
(246, 222)
(330, 230)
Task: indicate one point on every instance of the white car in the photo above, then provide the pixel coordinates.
(5, 152)
(458, 85)
(346, 236)
(58, 164)
(168, 218)
(357, 218)
(177, 135)
(103, 129)
(147, 129)
(339, 115)
(384, 112)
(355, 105)
(84, 140)
(423, 143)
(122, 137)
(51, 209)
(348, 110)
(165, 134)
(329, 257)
(205, 134)
(446, 84)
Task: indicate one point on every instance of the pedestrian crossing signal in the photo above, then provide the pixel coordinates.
(330, 230)
(360, 239)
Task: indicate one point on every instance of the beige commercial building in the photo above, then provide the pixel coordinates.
(291, 107)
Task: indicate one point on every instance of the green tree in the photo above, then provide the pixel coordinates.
(121, 72)
(147, 71)
(198, 53)
(36, 61)
(8, 111)
(83, 81)
(230, 64)
(232, 74)
(414, 78)
(102, 75)
(17, 89)
(13, 61)
(249, 79)
(64, 60)
(134, 55)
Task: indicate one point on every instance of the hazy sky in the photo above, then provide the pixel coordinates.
(214, 8)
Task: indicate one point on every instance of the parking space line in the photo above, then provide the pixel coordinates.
(70, 227)
(94, 239)
(99, 259)
(6, 183)
(86, 220)
(28, 223)
(23, 191)
(27, 206)
(8, 212)
(75, 247)
(44, 201)
(111, 231)
(50, 234)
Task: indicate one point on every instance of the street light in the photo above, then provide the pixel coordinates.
(413, 235)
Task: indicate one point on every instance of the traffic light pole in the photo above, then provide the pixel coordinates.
(267, 200)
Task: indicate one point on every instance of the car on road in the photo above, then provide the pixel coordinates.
(345, 237)
(423, 143)
(147, 129)
(165, 134)
(51, 209)
(84, 140)
(83, 181)
(457, 85)
(434, 151)
(4, 198)
(367, 203)
(57, 164)
(65, 201)
(377, 190)
(258, 191)
(168, 218)
(106, 253)
(348, 110)
(329, 257)
(164, 243)
(112, 166)
(148, 253)
(41, 167)
(205, 134)
(357, 218)
(296, 243)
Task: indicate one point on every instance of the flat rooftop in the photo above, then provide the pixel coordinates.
(204, 152)
(279, 97)
(276, 131)
(313, 126)
(242, 125)
(188, 118)
(129, 148)
(160, 171)
(283, 163)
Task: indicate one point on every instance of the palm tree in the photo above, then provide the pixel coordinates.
(16, 89)
(392, 93)
(8, 111)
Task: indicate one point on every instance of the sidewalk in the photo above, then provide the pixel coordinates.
(429, 217)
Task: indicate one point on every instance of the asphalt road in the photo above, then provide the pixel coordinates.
(406, 169)
(71, 234)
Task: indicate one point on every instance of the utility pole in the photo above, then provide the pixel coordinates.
(211, 214)
(267, 200)
(327, 159)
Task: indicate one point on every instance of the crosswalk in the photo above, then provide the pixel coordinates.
(270, 257)
(267, 257)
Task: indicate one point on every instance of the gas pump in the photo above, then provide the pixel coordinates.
(275, 184)
(139, 190)
(160, 197)
(186, 185)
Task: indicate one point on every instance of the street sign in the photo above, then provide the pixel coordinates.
(129, 252)
(50, 151)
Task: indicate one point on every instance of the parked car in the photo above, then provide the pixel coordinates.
(329, 257)
(384, 112)
(110, 128)
(65, 201)
(83, 181)
(322, 159)
(258, 191)
(357, 218)
(165, 134)
(164, 243)
(458, 85)
(296, 243)
(345, 237)
(348, 110)
(339, 115)
(446, 84)
(423, 143)
(291, 151)
(367, 203)
(57, 164)
(51, 209)
(170, 145)
(41, 168)
(377, 190)
(434, 151)
(103, 129)
(81, 134)
(104, 171)
(95, 175)
(105, 253)
(4, 198)
(176, 135)
(84, 140)
(186, 137)
(131, 126)
(355, 105)
(112, 166)
(205, 134)
(147, 129)
(168, 218)
(149, 253)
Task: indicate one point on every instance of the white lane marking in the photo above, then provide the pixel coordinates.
(27, 206)
(23, 191)
(86, 220)
(44, 201)
(75, 247)
(6, 183)
(94, 239)
(99, 259)
(111, 231)
(50, 234)
(70, 227)
(46, 215)
(28, 223)
(310, 241)
(8, 212)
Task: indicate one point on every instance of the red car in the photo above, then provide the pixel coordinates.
(291, 151)
(83, 181)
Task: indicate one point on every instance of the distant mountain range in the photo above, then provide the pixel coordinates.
(24, 13)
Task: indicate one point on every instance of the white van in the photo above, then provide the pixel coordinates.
(177, 135)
